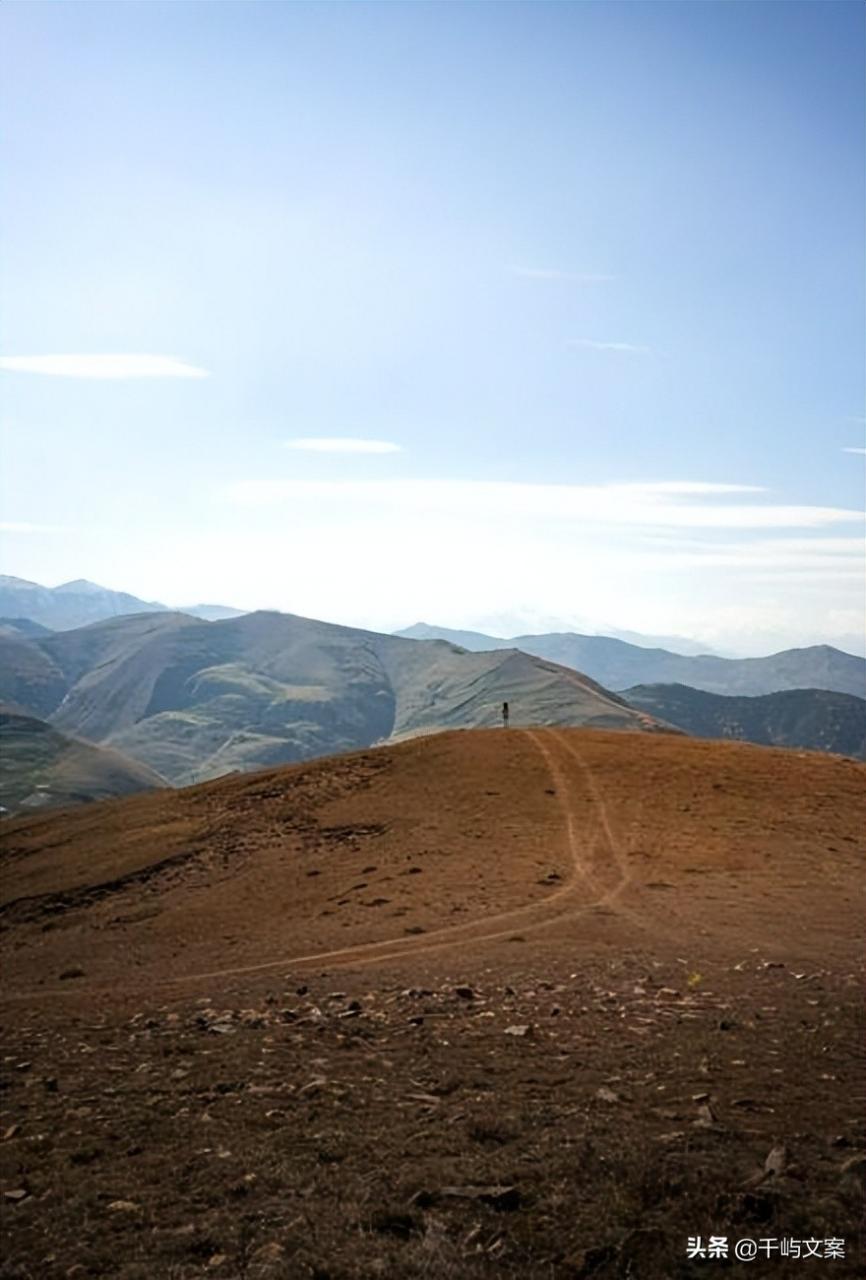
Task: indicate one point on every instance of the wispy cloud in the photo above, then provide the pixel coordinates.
(590, 344)
(671, 504)
(853, 449)
(102, 366)
(552, 273)
(342, 444)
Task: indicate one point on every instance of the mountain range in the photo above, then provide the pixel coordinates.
(618, 665)
(75, 604)
(814, 719)
(177, 699)
(191, 699)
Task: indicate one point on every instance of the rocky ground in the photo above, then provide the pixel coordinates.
(565, 1124)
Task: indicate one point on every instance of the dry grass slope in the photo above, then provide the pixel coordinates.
(529, 1003)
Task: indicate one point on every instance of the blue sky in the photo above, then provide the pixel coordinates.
(594, 270)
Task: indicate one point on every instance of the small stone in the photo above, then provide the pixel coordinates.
(273, 1251)
(123, 1206)
(75, 971)
(706, 1117)
(16, 1196)
(854, 1167)
(519, 1031)
(777, 1161)
(464, 993)
(606, 1095)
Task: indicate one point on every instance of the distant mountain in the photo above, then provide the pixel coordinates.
(212, 612)
(815, 719)
(78, 603)
(42, 768)
(194, 699)
(30, 680)
(476, 640)
(22, 627)
(618, 665)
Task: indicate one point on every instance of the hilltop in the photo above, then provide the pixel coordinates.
(580, 993)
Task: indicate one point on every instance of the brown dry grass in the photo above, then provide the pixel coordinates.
(300, 1116)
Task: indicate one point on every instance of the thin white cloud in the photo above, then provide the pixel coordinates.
(590, 344)
(853, 449)
(551, 273)
(342, 444)
(102, 366)
(642, 506)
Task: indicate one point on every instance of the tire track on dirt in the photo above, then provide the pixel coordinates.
(557, 906)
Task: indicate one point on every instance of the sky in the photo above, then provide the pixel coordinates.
(509, 316)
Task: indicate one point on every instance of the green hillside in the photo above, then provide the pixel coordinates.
(41, 767)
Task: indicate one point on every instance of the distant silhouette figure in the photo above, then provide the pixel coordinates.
(505, 715)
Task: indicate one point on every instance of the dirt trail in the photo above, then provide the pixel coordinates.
(583, 891)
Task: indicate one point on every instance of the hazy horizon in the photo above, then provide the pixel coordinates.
(502, 626)
(498, 316)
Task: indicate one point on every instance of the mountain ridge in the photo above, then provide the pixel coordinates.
(193, 699)
(811, 719)
(618, 665)
(80, 602)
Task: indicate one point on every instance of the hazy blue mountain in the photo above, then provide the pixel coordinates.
(619, 665)
(78, 603)
(22, 627)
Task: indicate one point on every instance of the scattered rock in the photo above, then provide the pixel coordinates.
(273, 1251)
(504, 1198)
(16, 1196)
(123, 1206)
(706, 1117)
(604, 1094)
(776, 1162)
(464, 993)
(519, 1030)
(75, 971)
(854, 1167)
(313, 1086)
